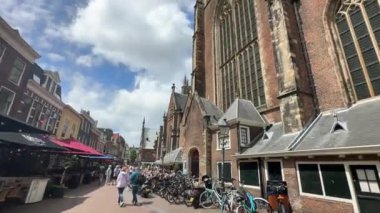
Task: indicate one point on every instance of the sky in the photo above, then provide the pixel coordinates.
(116, 58)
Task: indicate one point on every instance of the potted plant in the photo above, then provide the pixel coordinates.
(69, 162)
(54, 190)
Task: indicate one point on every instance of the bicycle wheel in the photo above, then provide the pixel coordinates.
(188, 200)
(281, 208)
(242, 209)
(207, 199)
(262, 205)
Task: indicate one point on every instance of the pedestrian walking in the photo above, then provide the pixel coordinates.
(134, 179)
(115, 174)
(108, 174)
(121, 182)
(101, 174)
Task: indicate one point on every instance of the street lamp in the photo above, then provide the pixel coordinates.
(223, 135)
(163, 156)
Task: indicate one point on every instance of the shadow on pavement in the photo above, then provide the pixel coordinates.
(145, 203)
(72, 198)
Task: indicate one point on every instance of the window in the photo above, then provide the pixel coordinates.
(310, 180)
(2, 52)
(367, 180)
(249, 173)
(244, 137)
(48, 83)
(358, 25)
(36, 78)
(34, 113)
(274, 170)
(17, 70)
(226, 171)
(335, 181)
(239, 58)
(226, 141)
(327, 180)
(6, 99)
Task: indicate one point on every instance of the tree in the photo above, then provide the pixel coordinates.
(133, 155)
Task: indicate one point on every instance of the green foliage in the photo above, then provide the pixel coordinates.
(133, 155)
(70, 161)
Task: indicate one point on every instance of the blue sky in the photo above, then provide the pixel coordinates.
(116, 58)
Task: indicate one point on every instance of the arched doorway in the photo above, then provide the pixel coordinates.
(194, 162)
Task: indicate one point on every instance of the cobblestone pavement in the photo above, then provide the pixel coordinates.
(93, 199)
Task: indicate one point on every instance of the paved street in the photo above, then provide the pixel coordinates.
(91, 198)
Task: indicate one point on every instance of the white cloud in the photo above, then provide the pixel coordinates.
(154, 38)
(121, 110)
(23, 13)
(187, 5)
(151, 38)
(55, 57)
(88, 60)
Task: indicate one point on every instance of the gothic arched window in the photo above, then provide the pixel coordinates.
(358, 26)
(239, 58)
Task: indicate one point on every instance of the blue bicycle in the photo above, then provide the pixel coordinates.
(250, 204)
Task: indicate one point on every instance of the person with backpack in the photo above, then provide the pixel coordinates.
(135, 182)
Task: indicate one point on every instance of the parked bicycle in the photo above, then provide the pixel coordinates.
(215, 197)
(247, 203)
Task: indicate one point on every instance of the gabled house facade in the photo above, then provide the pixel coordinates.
(69, 123)
(44, 98)
(17, 60)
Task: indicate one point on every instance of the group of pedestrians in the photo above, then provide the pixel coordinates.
(111, 174)
(123, 177)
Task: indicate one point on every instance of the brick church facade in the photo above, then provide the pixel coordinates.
(297, 83)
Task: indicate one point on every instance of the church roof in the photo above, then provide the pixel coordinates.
(180, 100)
(271, 141)
(356, 126)
(211, 110)
(243, 111)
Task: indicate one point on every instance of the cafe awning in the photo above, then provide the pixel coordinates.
(101, 157)
(75, 145)
(28, 140)
(8, 124)
(173, 157)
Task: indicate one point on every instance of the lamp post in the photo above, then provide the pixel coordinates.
(162, 157)
(223, 134)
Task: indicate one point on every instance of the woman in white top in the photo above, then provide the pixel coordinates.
(121, 182)
(108, 175)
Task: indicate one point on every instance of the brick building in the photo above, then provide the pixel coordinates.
(69, 124)
(17, 59)
(44, 99)
(297, 84)
(147, 151)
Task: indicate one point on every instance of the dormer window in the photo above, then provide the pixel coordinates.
(36, 78)
(339, 126)
(267, 135)
(244, 136)
(48, 84)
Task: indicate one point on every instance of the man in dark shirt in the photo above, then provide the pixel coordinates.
(135, 184)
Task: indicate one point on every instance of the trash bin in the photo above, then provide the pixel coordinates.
(274, 189)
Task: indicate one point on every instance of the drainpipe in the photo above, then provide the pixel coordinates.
(261, 172)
